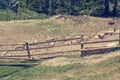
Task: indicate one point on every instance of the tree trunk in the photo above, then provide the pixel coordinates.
(50, 7)
(106, 10)
(45, 7)
(115, 8)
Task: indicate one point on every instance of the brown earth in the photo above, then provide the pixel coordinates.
(56, 26)
(60, 26)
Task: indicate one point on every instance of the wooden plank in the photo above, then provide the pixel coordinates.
(14, 56)
(19, 64)
(47, 47)
(100, 41)
(53, 53)
(59, 40)
(86, 52)
(96, 48)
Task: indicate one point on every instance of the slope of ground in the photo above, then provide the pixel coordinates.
(58, 27)
(96, 67)
(25, 14)
(13, 31)
(66, 67)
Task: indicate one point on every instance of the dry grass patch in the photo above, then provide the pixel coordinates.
(60, 61)
(100, 57)
(14, 31)
(75, 59)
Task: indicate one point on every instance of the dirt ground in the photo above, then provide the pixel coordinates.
(58, 27)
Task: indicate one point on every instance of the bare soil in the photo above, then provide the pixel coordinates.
(56, 26)
(60, 26)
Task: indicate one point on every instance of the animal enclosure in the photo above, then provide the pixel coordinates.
(57, 47)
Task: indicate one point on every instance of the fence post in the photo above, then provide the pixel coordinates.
(119, 38)
(82, 46)
(82, 52)
(28, 50)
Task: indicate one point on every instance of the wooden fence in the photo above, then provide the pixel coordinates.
(99, 50)
(10, 51)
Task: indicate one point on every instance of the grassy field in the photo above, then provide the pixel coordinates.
(70, 67)
(65, 67)
(7, 15)
(13, 31)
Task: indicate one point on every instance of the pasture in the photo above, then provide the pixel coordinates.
(68, 66)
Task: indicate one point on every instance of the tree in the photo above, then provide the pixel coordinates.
(50, 7)
(46, 7)
(70, 7)
(106, 10)
(115, 8)
(10, 4)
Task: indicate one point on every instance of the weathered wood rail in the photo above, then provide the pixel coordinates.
(99, 50)
(83, 51)
(19, 64)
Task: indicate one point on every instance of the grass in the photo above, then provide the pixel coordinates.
(105, 70)
(7, 71)
(24, 14)
(51, 27)
(88, 68)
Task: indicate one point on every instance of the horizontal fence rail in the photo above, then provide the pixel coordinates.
(100, 41)
(28, 47)
(19, 64)
(59, 40)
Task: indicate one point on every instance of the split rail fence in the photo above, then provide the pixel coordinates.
(39, 49)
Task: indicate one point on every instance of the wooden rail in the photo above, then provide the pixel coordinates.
(19, 64)
(59, 40)
(82, 48)
(102, 50)
(100, 41)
